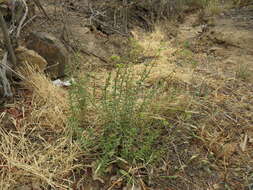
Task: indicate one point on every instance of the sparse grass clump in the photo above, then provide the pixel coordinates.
(243, 72)
(50, 103)
(214, 7)
(124, 131)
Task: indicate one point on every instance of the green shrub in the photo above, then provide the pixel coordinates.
(125, 131)
(79, 103)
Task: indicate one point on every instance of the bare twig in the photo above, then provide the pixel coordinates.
(29, 21)
(95, 55)
(109, 27)
(22, 20)
(38, 4)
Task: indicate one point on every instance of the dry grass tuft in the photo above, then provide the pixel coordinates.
(50, 103)
(156, 44)
(39, 154)
(214, 7)
(217, 108)
(28, 158)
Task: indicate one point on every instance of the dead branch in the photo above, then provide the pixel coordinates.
(4, 80)
(7, 40)
(29, 21)
(41, 8)
(22, 19)
(94, 55)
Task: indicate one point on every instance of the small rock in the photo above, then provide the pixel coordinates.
(25, 56)
(52, 50)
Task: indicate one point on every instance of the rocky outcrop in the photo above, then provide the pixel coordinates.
(26, 56)
(52, 50)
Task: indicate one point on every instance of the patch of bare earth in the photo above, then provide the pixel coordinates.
(223, 90)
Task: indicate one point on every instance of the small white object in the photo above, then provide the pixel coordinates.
(61, 83)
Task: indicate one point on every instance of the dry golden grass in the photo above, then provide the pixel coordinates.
(39, 154)
(215, 110)
(210, 96)
(49, 102)
(214, 7)
(27, 158)
(156, 44)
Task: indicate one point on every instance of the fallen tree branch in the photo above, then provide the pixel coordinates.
(29, 21)
(95, 55)
(22, 20)
(4, 80)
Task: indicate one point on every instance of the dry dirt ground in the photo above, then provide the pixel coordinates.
(210, 145)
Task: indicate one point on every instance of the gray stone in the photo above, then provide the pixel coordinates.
(52, 50)
(25, 56)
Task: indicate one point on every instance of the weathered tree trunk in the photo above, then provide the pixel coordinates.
(4, 81)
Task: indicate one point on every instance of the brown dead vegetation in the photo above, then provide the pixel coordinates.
(204, 110)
